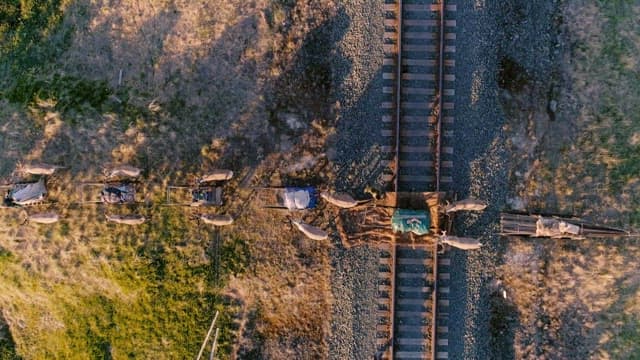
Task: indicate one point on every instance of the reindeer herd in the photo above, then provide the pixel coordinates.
(120, 186)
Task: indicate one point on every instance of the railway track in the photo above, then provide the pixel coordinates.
(413, 284)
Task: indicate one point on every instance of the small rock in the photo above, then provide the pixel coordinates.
(292, 120)
(553, 106)
(516, 203)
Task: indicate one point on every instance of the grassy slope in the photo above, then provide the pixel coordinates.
(581, 299)
(86, 288)
(102, 291)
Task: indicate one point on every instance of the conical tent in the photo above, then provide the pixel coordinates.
(415, 221)
(29, 193)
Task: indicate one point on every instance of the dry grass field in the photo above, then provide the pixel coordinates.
(577, 300)
(176, 88)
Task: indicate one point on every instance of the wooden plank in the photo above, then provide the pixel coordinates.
(418, 289)
(411, 341)
(417, 133)
(443, 342)
(389, 48)
(447, 106)
(449, 48)
(443, 302)
(413, 261)
(419, 35)
(414, 328)
(419, 7)
(419, 22)
(416, 163)
(418, 76)
(390, 7)
(418, 91)
(444, 261)
(420, 47)
(419, 62)
(412, 301)
(416, 178)
(421, 105)
(415, 22)
(442, 355)
(410, 355)
(412, 314)
(415, 149)
(444, 289)
(450, 36)
(411, 275)
(444, 276)
(449, 77)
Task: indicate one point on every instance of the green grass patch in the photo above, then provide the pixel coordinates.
(68, 92)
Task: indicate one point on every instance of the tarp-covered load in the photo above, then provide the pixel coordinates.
(553, 227)
(26, 194)
(549, 227)
(118, 194)
(298, 198)
(415, 221)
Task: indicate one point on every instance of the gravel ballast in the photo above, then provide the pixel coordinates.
(357, 77)
(479, 168)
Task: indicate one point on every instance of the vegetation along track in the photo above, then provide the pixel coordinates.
(417, 111)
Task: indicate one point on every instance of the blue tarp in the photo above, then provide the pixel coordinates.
(415, 221)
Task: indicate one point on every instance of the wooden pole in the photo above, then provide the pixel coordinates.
(214, 344)
(204, 343)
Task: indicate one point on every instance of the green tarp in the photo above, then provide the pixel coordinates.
(415, 221)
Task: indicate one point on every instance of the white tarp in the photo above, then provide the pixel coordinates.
(296, 200)
(30, 193)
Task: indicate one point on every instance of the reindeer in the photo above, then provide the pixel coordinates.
(465, 205)
(311, 232)
(216, 220)
(122, 171)
(342, 200)
(38, 169)
(42, 218)
(462, 243)
(216, 175)
(126, 219)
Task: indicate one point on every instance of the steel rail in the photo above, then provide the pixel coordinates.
(398, 93)
(440, 93)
